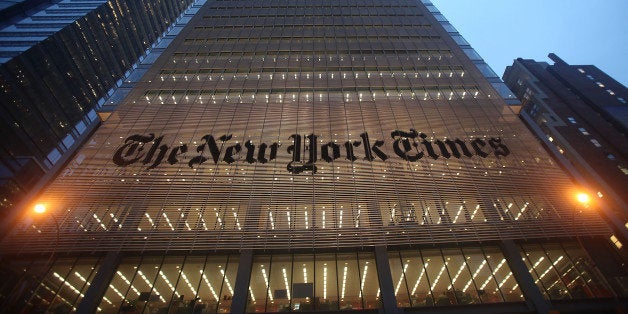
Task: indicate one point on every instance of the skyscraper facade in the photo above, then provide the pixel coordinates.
(313, 156)
(582, 114)
(59, 62)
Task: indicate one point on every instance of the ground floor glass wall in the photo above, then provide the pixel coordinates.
(451, 276)
(303, 282)
(172, 284)
(313, 282)
(564, 271)
(49, 284)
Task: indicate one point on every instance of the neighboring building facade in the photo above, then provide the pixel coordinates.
(581, 113)
(313, 156)
(59, 61)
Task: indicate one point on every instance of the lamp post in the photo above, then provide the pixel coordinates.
(584, 199)
(41, 209)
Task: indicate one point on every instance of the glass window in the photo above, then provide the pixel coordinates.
(449, 28)
(306, 282)
(55, 286)
(486, 70)
(155, 283)
(503, 90)
(452, 276)
(460, 40)
(616, 242)
(564, 271)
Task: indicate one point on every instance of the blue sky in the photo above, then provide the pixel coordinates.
(579, 31)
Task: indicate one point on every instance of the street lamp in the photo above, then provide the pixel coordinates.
(583, 198)
(41, 209)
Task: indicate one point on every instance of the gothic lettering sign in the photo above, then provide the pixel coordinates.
(411, 145)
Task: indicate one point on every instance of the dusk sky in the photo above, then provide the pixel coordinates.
(579, 31)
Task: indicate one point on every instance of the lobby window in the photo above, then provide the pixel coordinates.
(583, 131)
(581, 70)
(611, 92)
(571, 120)
(564, 271)
(46, 285)
(166, 284)
(621, 100)
(610, 156)
(596, 143)
(600, 84)
(307, 282)
(623, 169)
(453, 276)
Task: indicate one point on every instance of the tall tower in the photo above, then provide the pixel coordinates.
(311, 156)
(59, 62)
(581, 114)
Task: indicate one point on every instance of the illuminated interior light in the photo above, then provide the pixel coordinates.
(128, 282)
(453, 281)
(185, 278)
(149, 284)
(99, 222)
(235, 215)
(323, 219)
(163, 276)
(285, 281)
(219, 220)
(522, 210)
(458, 214)
(270, 295)
(325, 282)
(306, 221)
(344, 282)
(477, 271)
(340, 219)
(488, 279)
(69, 285)
(366, 268)
(288, 216)
(504, 281)
(251, 293)
(168, 221)
(227, 281)
(548, 269)
(272, 222)
(209, 285)
(55, 294)
(405, 267)
(416, 284)
(477, 207)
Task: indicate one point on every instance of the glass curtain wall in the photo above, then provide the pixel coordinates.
(564, 271)
(451, 276)
(45, 285)
(313, 282)
(172, 284)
